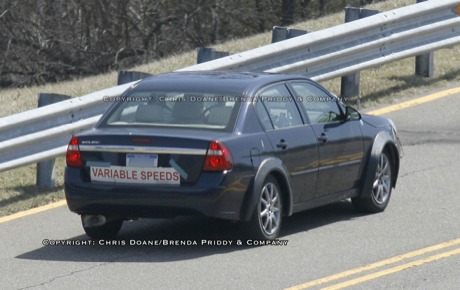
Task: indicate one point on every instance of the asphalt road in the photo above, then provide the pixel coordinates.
(424, 211)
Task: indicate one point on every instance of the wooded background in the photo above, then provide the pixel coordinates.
(53, 40)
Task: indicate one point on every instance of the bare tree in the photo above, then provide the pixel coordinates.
(52, 40)
(287, 12)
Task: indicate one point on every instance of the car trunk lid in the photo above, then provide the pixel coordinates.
(180, 153)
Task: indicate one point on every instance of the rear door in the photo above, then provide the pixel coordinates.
(340, 142)
(293, 141)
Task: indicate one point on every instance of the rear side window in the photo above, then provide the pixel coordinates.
(279, 107)
(263, 116)
(175, 109)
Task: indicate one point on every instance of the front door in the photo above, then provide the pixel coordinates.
(340, 143)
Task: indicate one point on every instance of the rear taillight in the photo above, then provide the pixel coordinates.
(218, 157)
(73, 157)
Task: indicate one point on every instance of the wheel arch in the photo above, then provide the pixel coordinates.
(270, 166)
(383, 141)
(394, 156)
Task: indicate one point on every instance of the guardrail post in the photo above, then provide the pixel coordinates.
(205, 54)
(45, 169)
(282, 33)
(424, 64)
(279, 33)
(125, 77)
(350, 83)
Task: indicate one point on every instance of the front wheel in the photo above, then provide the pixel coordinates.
(378, 199)
(266, 220)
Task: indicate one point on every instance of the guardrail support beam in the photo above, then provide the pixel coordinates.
(205, 54)
(349, 86)
(125, 77)
(45, 169)
(424, 64)
(282, 33)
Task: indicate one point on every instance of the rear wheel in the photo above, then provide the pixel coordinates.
(266, 220)
(378, 199)
(107, 231)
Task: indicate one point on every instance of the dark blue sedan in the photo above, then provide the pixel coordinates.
(248, 147)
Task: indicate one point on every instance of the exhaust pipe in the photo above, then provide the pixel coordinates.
(92, 220)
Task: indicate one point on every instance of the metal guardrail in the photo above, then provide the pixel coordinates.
(354, 46)
(43, 133)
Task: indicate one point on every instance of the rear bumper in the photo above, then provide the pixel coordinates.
(215, 195)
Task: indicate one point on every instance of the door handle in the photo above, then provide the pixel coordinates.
(282, 144)
(322, 138)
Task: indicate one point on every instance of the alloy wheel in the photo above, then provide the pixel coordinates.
(381, 188)
(269, 209)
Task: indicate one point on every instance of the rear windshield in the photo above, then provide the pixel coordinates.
(175, 109)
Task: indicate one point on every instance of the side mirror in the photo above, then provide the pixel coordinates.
(351, 114)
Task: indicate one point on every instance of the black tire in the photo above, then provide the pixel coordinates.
(265, 223)
(379, 197)
(107, 231)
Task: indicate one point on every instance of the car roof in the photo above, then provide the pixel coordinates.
(218, 81)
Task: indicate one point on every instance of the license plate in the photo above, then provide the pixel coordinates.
(141, 160)
(139, 175)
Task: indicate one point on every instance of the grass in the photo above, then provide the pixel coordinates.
(19, 192)
(383, 85)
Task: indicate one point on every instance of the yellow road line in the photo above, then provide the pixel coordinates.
(415, 102)
(393, 270)
(375, 265)
(32, 211)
